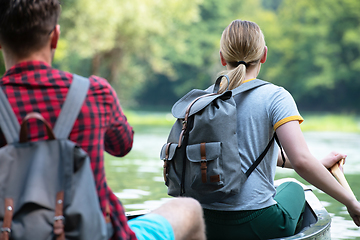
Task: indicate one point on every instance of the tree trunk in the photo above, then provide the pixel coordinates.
(115, 56)
(95, 64)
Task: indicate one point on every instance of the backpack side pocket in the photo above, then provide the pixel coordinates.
(172, 168)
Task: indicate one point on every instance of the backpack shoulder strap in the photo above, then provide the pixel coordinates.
(71, 108)
(262, 155)
(260, 158)
(248, 86)
(8, 121)
(242, 88)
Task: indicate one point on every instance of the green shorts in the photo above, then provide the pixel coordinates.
(279, 220)
(151, 227)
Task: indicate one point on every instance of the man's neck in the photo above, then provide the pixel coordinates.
(43, 56)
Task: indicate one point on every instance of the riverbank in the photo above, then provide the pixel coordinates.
(328, 122)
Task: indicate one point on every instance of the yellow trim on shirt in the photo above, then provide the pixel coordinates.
(288, 119)
(245, 81)
(248, 80)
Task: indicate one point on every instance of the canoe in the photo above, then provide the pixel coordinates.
(316, 223)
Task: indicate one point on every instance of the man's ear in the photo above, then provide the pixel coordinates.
(223, 62)
(55, 35)
(263, 58)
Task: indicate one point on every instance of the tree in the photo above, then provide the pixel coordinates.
(154, 51)
(124, 40)
(199, 65)
(316, 55)
(2, 65)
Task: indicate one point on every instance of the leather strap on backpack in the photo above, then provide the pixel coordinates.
(24, 128)
(203, 165)
(107, 213)
(185, 121)
(165, 171)
(59, 218)
(6, 227)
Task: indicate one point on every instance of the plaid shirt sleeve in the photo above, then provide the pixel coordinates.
(119, 133)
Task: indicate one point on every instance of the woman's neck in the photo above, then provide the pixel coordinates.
(251, 72)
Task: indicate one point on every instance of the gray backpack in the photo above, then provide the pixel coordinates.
(201, 156)
(47, 188)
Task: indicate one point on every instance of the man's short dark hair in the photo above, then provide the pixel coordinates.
(25, 25)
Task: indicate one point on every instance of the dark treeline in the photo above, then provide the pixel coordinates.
(154, 51)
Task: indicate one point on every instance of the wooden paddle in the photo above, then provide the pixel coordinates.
(338, 172)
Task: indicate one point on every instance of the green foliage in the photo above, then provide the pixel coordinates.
(199, 65)
(154, 51)
(127, 40)
(2, 65)
(316, 56)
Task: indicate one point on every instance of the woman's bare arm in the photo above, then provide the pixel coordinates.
(312, 170)
(328, 161)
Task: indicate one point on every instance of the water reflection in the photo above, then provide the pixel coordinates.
(149, 204)
(322, 143)
(132, 194)
(137, 179)
(341, 228)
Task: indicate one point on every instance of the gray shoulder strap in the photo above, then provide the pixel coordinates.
(71, 108)
(242, 88)
(8, 121)
(248, 86)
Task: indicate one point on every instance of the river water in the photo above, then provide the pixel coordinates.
(137, 178)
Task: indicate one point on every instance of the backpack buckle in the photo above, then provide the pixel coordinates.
(184, 123)
(5, 229)
(56, 218)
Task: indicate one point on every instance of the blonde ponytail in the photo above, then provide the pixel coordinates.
(242, 45)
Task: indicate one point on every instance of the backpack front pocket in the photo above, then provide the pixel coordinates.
(206, 172)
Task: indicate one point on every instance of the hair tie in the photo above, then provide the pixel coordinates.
(242, 62)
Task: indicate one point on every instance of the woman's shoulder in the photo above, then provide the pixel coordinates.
(271, 88)
(270, 85)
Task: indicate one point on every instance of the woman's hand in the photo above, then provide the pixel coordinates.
(332, 158)
(354, 211)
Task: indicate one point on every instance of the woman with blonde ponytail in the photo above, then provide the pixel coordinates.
(259, 210)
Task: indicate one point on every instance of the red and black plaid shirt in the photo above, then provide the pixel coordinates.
(101, 125)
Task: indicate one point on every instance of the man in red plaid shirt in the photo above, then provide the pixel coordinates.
(28, 38)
